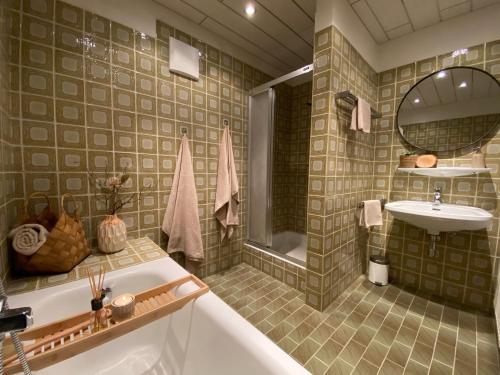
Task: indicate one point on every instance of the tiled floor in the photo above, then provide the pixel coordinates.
(368, 330)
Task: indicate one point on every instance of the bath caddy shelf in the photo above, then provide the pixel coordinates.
(445, 171)
(60, 340)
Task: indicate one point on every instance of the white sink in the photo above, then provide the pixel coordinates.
(450, 217)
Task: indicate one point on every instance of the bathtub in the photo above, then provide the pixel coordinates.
(292, 244)
(204, 337)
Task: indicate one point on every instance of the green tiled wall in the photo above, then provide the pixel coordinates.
(464, 271)
(347, 167)
(90, 93)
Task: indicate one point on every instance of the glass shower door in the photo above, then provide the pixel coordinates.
(260, 167)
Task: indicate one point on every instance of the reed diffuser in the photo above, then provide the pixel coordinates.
(99, 315)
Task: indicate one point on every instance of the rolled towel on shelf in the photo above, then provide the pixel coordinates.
(371, 213)
(28, 238)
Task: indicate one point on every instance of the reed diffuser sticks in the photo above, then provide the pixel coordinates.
(99, 314)
(96, 289)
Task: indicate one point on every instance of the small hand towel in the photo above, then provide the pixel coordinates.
(28, 238)
(181, 222)
(226, 195)
(361, 116)
(371, 213)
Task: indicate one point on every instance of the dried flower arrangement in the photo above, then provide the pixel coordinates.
(109, 189)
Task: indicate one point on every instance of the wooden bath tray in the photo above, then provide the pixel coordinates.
(60, 340)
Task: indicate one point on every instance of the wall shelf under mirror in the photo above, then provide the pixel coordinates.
(445, 171)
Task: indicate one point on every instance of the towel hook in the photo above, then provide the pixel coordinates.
(184, 130)
(225, 122)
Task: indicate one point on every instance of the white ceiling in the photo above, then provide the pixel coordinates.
(281, 32)
(390, 19)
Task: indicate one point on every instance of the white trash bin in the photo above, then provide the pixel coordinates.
(378, 270)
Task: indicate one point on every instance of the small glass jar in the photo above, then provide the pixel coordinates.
(98, 317)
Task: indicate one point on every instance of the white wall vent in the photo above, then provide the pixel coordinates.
(184, 59)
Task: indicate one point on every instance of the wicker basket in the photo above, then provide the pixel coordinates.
(66, 246)
(46, 218)
(407, 161)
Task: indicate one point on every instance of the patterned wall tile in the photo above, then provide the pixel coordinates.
(37, 30)
(68, 39)
(69, 15)
(97, 25)
(36, 56)
(457, 273)
(95, 94)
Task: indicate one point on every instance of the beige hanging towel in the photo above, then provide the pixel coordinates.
(361, 116)
(371, 213)
(226, 195)
(181, 222)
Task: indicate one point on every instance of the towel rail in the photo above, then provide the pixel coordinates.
(352, 99)
(382, 203)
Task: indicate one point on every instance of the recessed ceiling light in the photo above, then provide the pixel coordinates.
(249, 10)
(459, 52)
(417, 100)
(463, 84)
(441, 74)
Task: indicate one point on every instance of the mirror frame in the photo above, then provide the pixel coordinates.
(494, 128)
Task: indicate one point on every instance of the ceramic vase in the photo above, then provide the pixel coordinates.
(112, 234)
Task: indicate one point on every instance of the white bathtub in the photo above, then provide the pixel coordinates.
(290, 243)
(205, 337)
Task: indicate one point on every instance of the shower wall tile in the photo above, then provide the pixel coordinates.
(340, 169)
(291, 274)
(91, 93)
(291, 157)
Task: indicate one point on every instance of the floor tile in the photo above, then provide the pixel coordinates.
(366, 330)
(305, 350)
(339, 367)
(329, 352)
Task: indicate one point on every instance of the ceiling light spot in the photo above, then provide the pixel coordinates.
(441, 74)
(416, 100)
(250, 10)
(463, 84)
(459, 52)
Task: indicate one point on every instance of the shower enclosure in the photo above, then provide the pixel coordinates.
(280, 115)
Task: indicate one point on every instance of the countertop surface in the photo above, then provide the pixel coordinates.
(137, 251)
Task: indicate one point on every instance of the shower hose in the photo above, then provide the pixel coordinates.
(15, 339)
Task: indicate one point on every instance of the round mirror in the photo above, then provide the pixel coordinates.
(450, 109)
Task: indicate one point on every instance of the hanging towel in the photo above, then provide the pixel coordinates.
(226, 195)
(371, 213)
(181, 222)
(28, 238)
(361, 116)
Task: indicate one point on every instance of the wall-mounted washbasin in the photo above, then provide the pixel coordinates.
(448, 218)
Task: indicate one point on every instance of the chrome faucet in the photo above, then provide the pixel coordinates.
(436, 203)
(14, 320)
